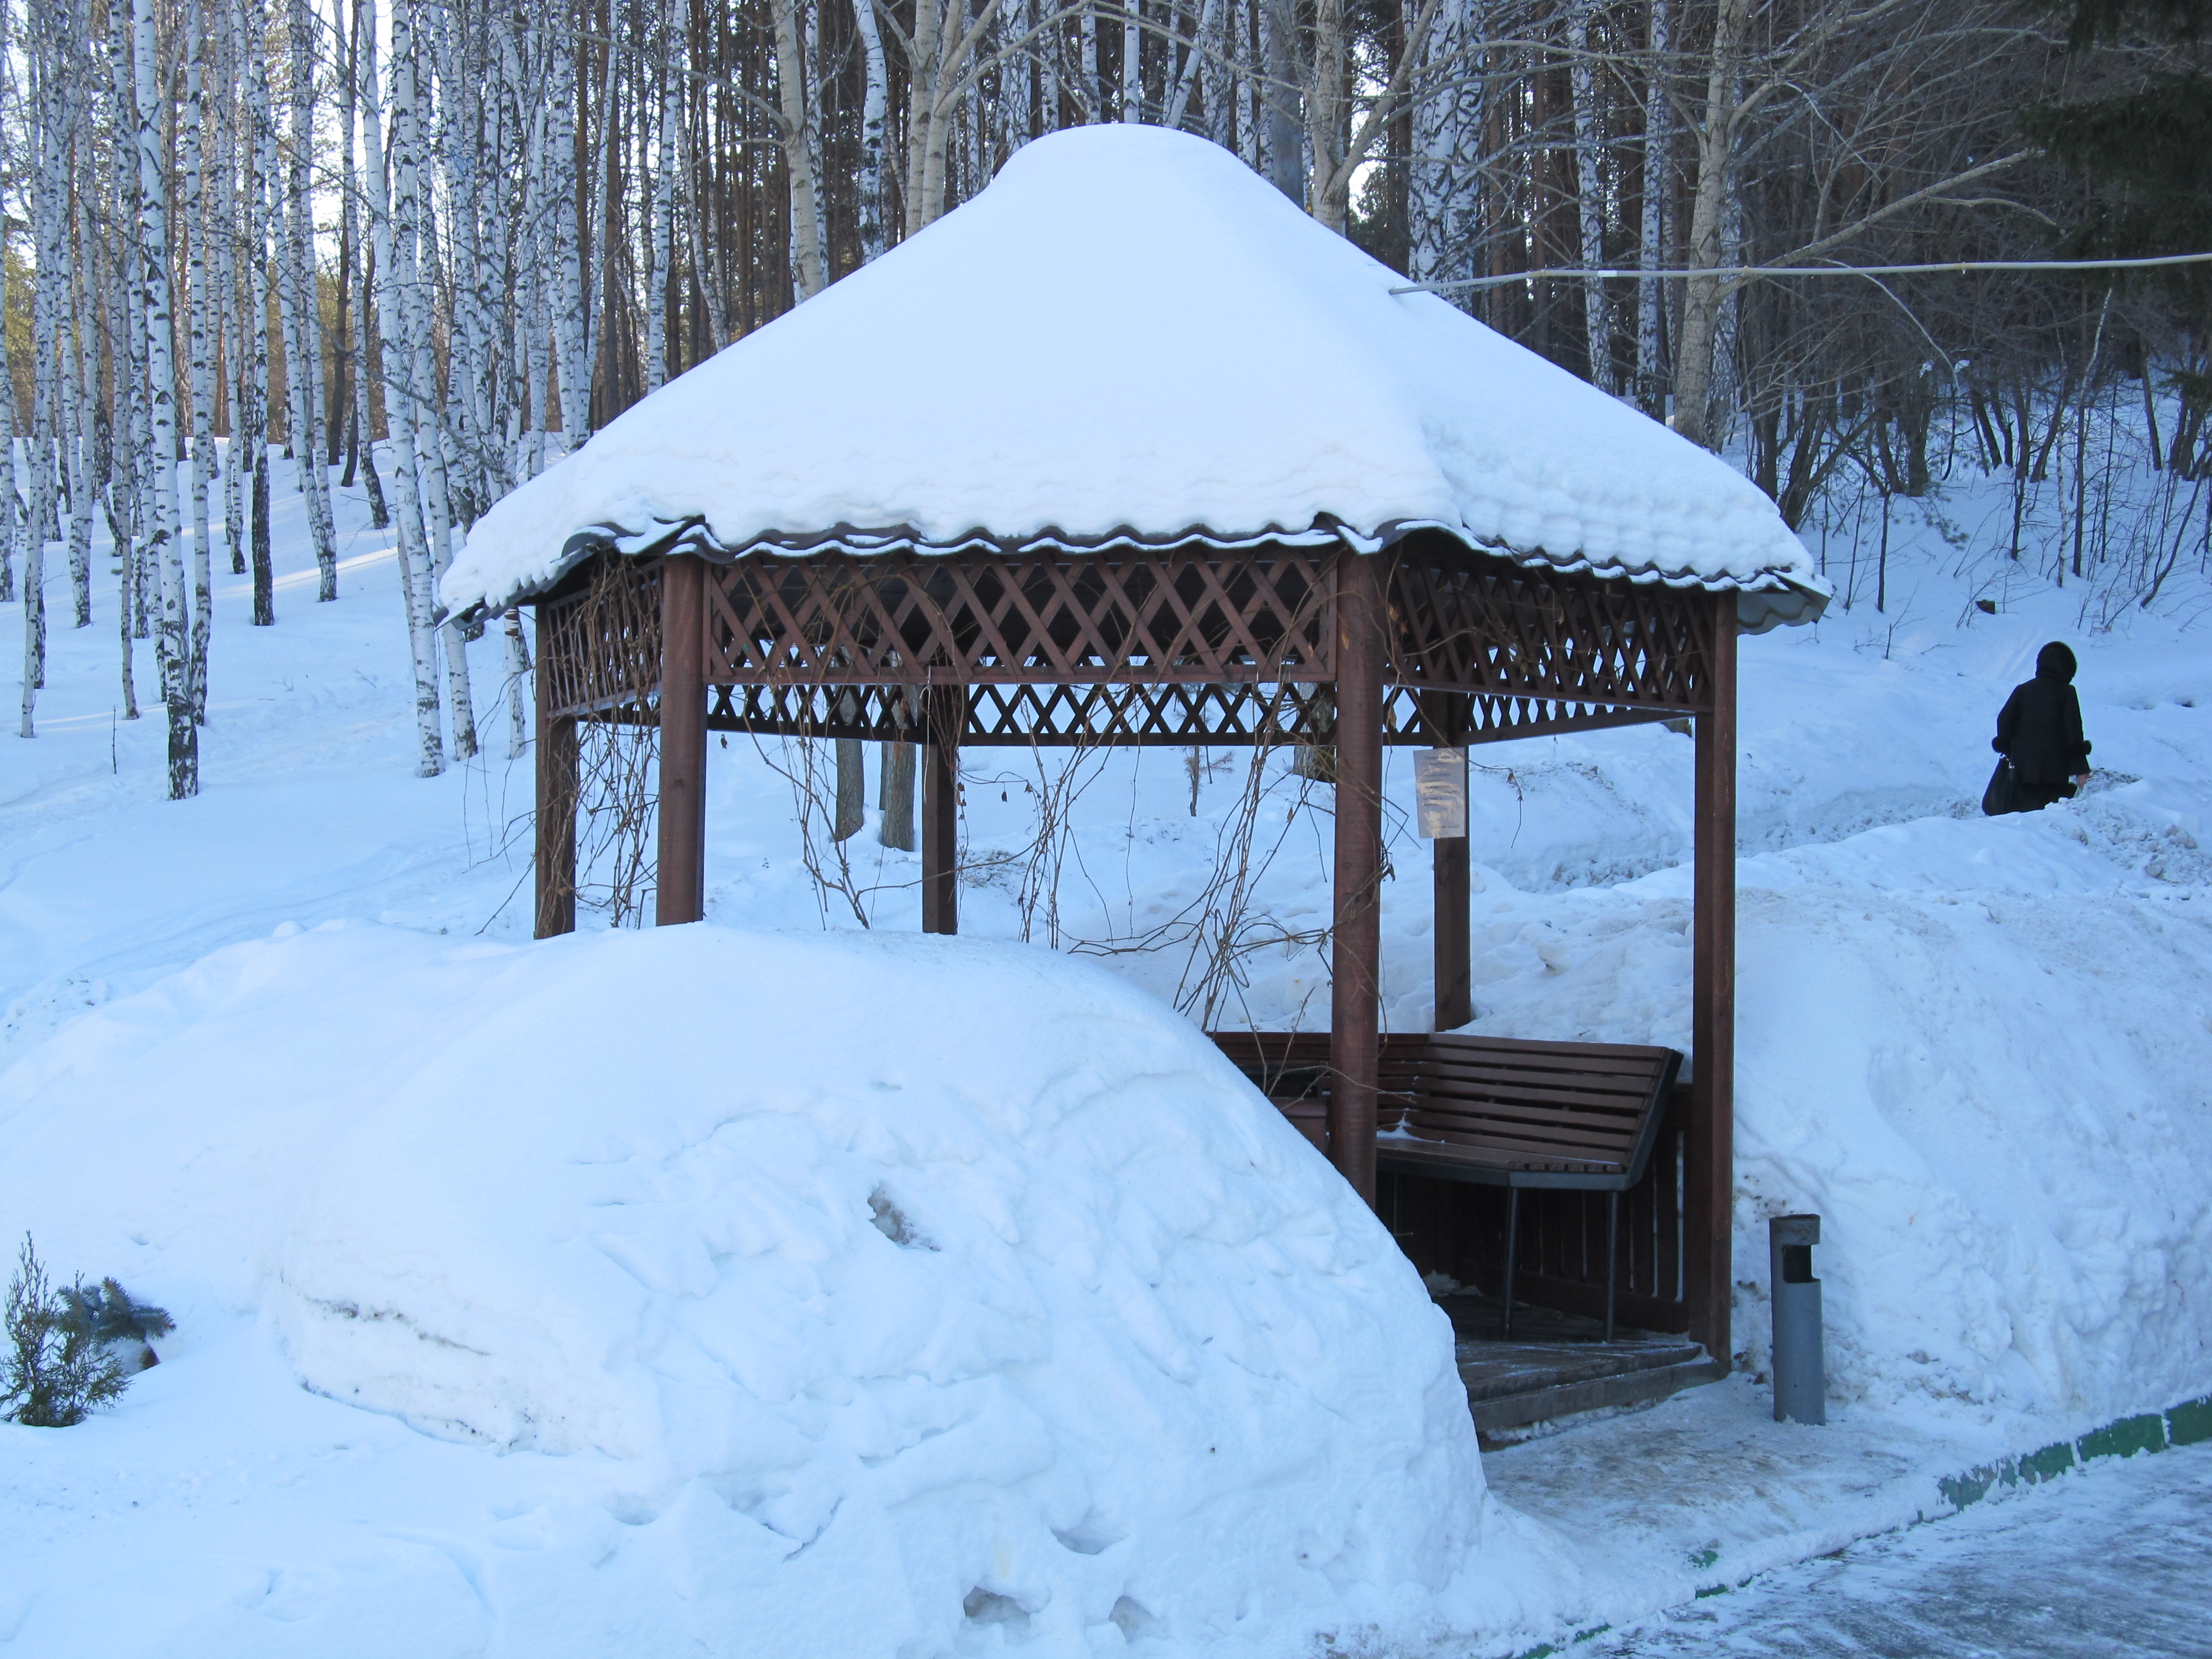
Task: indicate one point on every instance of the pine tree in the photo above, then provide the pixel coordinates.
(2146, 153)
(56, 1370)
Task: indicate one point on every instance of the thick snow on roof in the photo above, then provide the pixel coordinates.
(1131, 334)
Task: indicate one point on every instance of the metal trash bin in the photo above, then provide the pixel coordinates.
(1801, 1381)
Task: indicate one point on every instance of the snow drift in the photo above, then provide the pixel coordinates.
(911, 1288)
(1130, 334)
(1980, 1050)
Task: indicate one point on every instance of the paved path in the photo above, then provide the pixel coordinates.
(2114, 1561)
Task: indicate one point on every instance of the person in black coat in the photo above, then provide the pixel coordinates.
(2039, 731)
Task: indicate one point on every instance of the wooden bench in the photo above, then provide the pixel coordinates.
(1497, 1111)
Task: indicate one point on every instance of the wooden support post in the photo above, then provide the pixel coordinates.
(1355, 960)
(680, 886)
(555, 762)
(1445, 713)
(1707, 1269)
(945, 710)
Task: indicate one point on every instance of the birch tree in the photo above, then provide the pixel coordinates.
(299, 297)
(1656, 181)
(161, 367)
(10, 510)
(1444, 192)
(259, 198)
(197, 333)
(392, 219)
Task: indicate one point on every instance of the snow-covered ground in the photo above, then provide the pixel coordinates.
(2109, 1560)
(1978, 1049)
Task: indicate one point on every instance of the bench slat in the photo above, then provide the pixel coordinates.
(1569, 1112)
(1558, 1120)
(1527, 1146)
(1547, 1101)
(1417, 1149)
(1446, 1041)
(1504, 1069)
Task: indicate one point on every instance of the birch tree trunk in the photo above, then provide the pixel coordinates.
(260, 200)
(801, 149)
(203, 403)
(394, 222)
(663, 208)
(1658, 177)
(357, 341)
(72, 84)
(1589, 182)
(11, 517)
(432, 478)
(1279, 126)
(299, 295)
(161, 375)
(1132, 77)
(874, 97)
(710, 283)
(896, 794)
(129, 492)
(230, 101)
(569, 330)
(518, 683)
(48, 108)
(1703, 295)
(1444, 196)
(71, 356)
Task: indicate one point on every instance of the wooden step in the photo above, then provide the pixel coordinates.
(1634, 1387)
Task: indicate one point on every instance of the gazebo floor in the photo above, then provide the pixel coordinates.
(1557, 1363)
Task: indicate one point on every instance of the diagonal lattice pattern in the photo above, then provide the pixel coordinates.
(1187, 646)
(1467, 622)
(1154, 615)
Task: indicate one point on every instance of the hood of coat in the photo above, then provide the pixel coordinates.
(2055, 662)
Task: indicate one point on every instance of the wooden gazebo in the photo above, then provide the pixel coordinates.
(660, 608)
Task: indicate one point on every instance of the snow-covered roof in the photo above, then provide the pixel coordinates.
(1131, 336)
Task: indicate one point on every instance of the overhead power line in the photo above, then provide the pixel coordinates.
(1959, 267)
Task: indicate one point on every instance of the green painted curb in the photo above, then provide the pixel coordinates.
(2184, 1425)
(2126, 1438)
(2188, 1424)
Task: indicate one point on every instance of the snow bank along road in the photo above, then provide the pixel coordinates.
(1980, 1049)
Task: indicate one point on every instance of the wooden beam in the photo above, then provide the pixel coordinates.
(680, 887)
(553, 876)
(1445, 713)
(944, 713)
(1708, 1270)
(1355, 956)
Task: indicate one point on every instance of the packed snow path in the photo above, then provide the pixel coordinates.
(2109, 1560)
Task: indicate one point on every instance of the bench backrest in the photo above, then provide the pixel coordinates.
(1585, 1112)
(1579, 1110)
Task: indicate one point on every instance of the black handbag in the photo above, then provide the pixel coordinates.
(2001, 797)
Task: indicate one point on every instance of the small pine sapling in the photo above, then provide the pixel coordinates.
(60, 1365)
(105, 1314)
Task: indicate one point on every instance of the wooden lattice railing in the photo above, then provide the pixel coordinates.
(1182, 645)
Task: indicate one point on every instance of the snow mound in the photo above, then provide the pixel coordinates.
(1978, 1049)
(927, 1293)
(1130, 334)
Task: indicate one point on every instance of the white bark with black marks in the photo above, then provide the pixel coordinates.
(161, 378)
(392, 226)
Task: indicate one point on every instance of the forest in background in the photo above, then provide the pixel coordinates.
(427, 249)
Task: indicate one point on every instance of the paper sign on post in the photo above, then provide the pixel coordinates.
(1440, 789)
